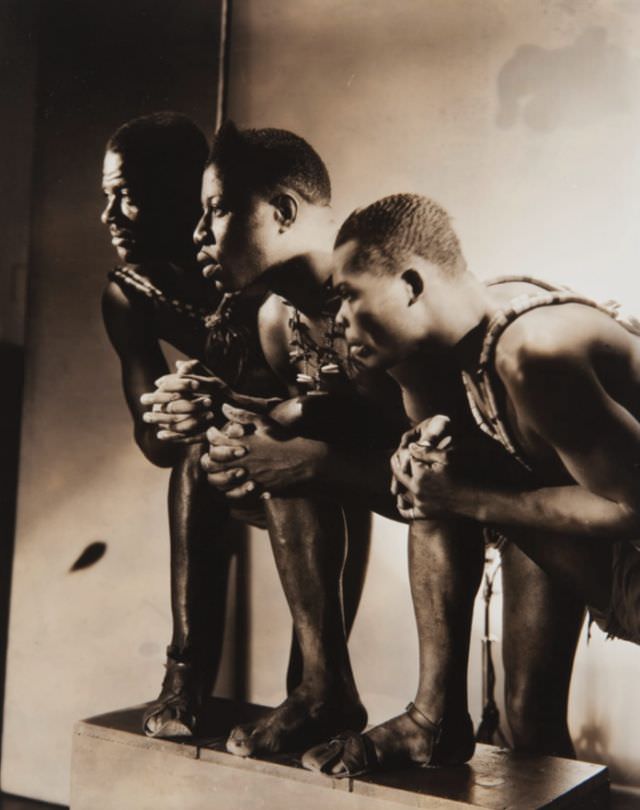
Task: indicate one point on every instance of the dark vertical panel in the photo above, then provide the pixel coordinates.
(18, 60)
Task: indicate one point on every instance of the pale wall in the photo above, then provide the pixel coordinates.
(523, 120)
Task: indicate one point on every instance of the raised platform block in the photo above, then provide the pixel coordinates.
(115, 767)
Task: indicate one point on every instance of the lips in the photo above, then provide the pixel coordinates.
(122, 239)
(358, 351)
(211, 269)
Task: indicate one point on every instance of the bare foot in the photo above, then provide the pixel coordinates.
(404, 741)
(300, 721)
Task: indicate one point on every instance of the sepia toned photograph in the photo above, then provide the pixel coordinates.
(320, 328)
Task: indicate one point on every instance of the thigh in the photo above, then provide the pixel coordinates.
(582, 565)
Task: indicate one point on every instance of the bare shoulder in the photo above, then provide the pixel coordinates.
(558, 339)
(126, 319)
(274, 314)
(273, 328)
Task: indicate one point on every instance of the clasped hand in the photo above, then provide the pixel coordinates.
(183, 404)
(254, 453)
(422, 481)
(181, 407)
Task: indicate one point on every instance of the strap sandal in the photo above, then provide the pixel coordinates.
(176, 695)
(454, 748)
(355, 751)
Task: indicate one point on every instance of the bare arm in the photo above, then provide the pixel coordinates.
(309, 452)
(141, 362)
(561, 402)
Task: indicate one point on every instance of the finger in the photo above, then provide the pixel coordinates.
(432, 458)
(396, 464)
(406, 512)
(222, 477)
(173, 382)
(158, 397)
(214, 383)
(216, 437)
(190, 424)
(234, 414)
(186, 366)
(408, 437)
(241, 491)
(223, 468)
(168, 435)
(406, 480)
(408, 509)
(435, 430)
(188, 405)
(235, 430)
(163, 418)
(224, 454)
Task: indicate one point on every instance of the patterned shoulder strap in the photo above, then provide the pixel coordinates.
(127, 276)
(493, 424)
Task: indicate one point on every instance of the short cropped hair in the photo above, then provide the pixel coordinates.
(165, 150)
(264, 160)
(392, 228)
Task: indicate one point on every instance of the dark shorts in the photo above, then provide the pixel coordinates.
(622, 619)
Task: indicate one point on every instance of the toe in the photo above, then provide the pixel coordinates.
(240, 741)
(323, 758)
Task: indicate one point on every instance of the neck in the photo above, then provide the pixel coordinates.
(454, 344)
(301, 280)
(466, 303)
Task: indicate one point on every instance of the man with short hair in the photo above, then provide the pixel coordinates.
(266, 224)
(151, 179)
(551, 376)
(279, 463)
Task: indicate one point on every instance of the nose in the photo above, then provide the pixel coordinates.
(108, 213)
(341, 319)
(203, 234)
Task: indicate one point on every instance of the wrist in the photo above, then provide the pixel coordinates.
(465, 501)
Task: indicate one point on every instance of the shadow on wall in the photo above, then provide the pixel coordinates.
(573, 86)
(593, 745)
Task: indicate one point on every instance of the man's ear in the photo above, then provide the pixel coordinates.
(285, 210)
(414, 282)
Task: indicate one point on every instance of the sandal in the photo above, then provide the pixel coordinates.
(358, 755)
(178, 693)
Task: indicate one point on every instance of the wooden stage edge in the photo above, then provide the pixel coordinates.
(115, 767)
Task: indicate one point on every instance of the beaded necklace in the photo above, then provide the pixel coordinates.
(149, 289)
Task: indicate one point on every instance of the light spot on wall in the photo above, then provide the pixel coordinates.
(573, 86)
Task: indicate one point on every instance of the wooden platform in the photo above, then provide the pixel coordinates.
(115, 767)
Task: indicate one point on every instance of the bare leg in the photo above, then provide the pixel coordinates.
(445, 567)
(308, 541)
(541, 626)
(358, 520)
(580, 564)
(200, 555)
